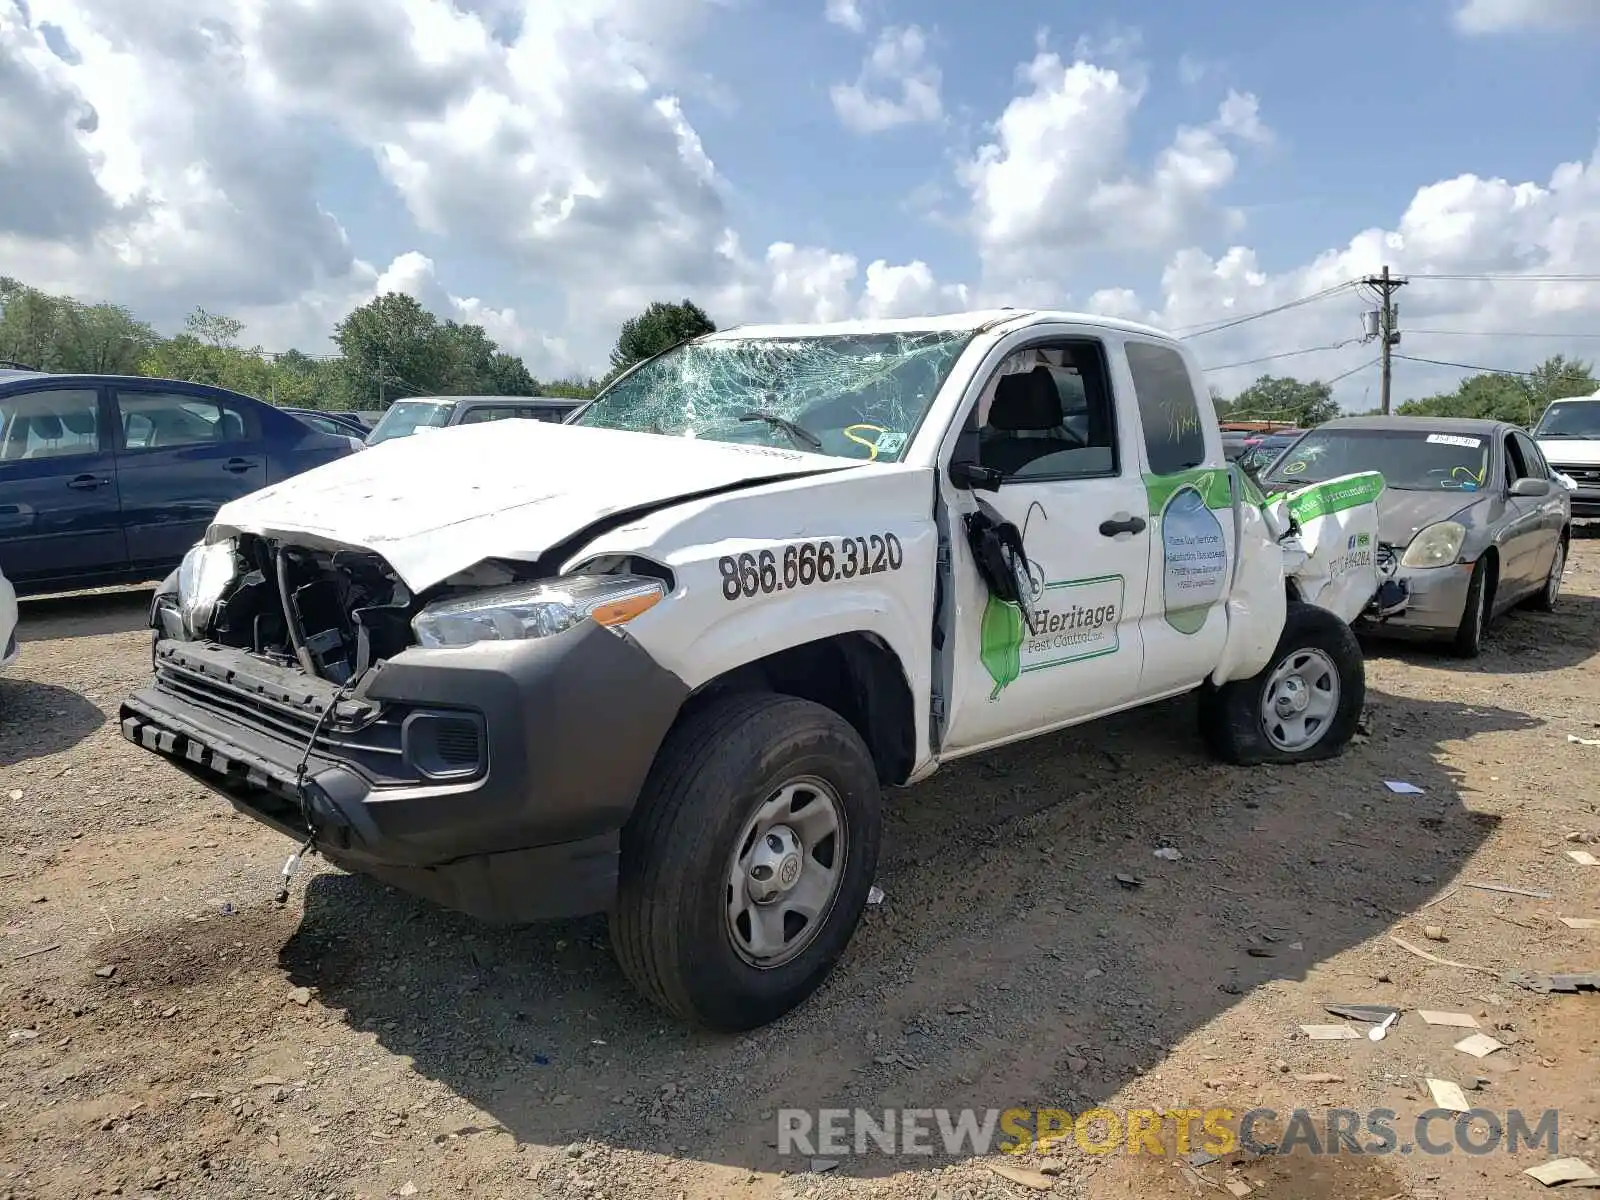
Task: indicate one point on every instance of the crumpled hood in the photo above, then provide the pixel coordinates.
(437, 503)
(1402, 515)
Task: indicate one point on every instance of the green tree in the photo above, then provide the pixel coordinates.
(1284, 398)
(58, 333)
(1500, 396)
(659, 327)
(394, 344)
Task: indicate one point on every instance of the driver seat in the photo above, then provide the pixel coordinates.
(1025, 422)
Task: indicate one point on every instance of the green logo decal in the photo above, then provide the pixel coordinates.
(1073, 620)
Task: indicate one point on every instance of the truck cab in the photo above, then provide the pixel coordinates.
(661, 660)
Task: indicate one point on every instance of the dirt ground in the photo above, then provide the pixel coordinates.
(169, 1030)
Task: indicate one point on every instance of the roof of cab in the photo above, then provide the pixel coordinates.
(959, 322)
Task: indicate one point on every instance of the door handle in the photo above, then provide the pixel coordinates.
(86, 483)
(1113, 527)
(238, 465)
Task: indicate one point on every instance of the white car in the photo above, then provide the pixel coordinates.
(661, 659)
(8, 622)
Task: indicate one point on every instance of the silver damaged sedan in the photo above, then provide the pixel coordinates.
(1472, 521)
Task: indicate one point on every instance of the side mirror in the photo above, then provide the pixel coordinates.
(1533, 489)
(970, 477)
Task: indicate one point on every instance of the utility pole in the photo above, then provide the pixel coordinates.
(1388, 334)
(380, 378)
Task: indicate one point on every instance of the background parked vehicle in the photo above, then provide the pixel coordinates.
(1262, 451)
(345, 424)
(1569, 437)
(407, 416)
(109, 479)
(1471, 521)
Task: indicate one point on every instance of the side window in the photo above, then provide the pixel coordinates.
(1169, 413)
(49, 424)
(474, 416)
(1515, 468)
(1531, 458)
(164, 420)
(1047, 413)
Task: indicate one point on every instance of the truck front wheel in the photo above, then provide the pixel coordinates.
(1303, 706)
(746, 865)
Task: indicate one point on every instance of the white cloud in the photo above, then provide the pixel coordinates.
(845, 13)
(167, 162)
(1499, 16)
(1055, 180)
(1466, 226)
(898, 85)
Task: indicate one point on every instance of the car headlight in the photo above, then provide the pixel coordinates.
(1436, 546)
(203, 576)
(536, 610)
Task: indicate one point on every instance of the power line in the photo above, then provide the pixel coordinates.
(1352, 371)
(1219, 326)
(1501, 333)
(1437, 362)
(1250, 362)
(1508, 277)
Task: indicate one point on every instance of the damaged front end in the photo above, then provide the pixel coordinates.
(449, 742)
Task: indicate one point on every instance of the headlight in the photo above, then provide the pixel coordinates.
(1436, 546)
(203, 576)
(535, 610)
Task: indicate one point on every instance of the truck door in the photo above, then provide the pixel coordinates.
(1189, 503)
(1043, 415)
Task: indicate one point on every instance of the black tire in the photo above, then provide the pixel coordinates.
(669, 927)
(1231, 720)
(1468, 639)
(1546, 598)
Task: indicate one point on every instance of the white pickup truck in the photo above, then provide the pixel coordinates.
(661, 660)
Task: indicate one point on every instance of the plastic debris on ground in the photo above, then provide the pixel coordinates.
(1479, 1045)
(1457, 1020)
(1448, 1095)
(1329, 1033)
(1563, 1170)
(1583, 858)
(1401, 788)
(875, 895)
(1168, 854)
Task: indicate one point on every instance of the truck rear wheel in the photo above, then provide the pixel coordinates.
(746, 866)
(1302, 706)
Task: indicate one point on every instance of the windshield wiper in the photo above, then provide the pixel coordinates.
(797, 433)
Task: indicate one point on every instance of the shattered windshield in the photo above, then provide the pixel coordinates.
(405, 417)
(849, 395)
(1410, 460)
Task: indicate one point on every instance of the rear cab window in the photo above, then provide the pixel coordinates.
(1169, 410)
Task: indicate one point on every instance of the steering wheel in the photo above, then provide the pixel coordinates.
(871, 446)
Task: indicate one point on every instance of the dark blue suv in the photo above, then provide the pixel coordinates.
(108, 479)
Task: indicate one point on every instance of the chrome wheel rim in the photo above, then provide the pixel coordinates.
(1553, 586)
(1300, 700)
(785, 872)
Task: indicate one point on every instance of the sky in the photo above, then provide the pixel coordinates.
(545, 168)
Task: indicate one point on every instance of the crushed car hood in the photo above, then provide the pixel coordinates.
(435, 505)
(1402, 515)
